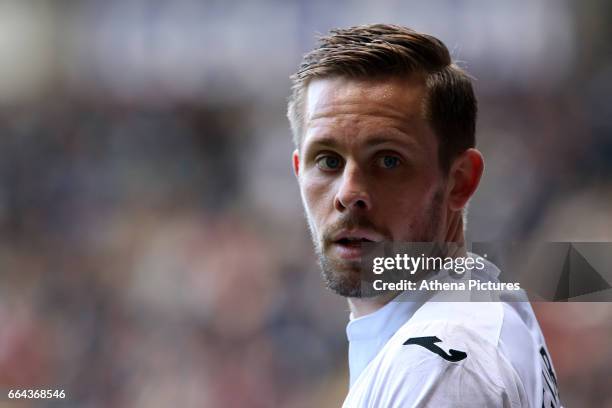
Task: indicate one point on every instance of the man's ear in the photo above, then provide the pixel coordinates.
(464, 178)
(296, 163)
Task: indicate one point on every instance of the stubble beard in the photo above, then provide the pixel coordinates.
(345, 277)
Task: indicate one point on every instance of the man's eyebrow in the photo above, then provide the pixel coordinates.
(403, 141)
(322, 141)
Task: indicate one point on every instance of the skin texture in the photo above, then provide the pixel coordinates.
(368, 165)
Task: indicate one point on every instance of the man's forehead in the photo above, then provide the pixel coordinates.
(367, 112)
(393, 97)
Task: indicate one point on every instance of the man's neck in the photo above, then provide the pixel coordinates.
(364, 306)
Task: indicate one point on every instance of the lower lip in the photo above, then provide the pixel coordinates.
(345, 251)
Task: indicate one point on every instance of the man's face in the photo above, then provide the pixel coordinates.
(368, 170)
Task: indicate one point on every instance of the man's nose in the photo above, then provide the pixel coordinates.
(353, 193)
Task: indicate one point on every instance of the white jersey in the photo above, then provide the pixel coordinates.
(450, 354)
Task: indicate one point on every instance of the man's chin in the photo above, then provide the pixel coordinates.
(345, 278)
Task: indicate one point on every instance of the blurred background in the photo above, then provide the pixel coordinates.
(153, 250)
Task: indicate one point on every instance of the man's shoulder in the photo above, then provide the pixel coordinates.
(447, 351)
(500, 334)
(442, 361)
(481, 319)
(440, 343)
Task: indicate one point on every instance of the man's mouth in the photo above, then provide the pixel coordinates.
(352, 242)
(348, 244)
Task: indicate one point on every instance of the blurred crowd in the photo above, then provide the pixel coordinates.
(153, 250)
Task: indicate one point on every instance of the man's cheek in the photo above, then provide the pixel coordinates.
(317, 195)
(403, 225)
(409, 206)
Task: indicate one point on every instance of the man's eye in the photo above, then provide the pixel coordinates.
(388, 162)
(329, 162)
